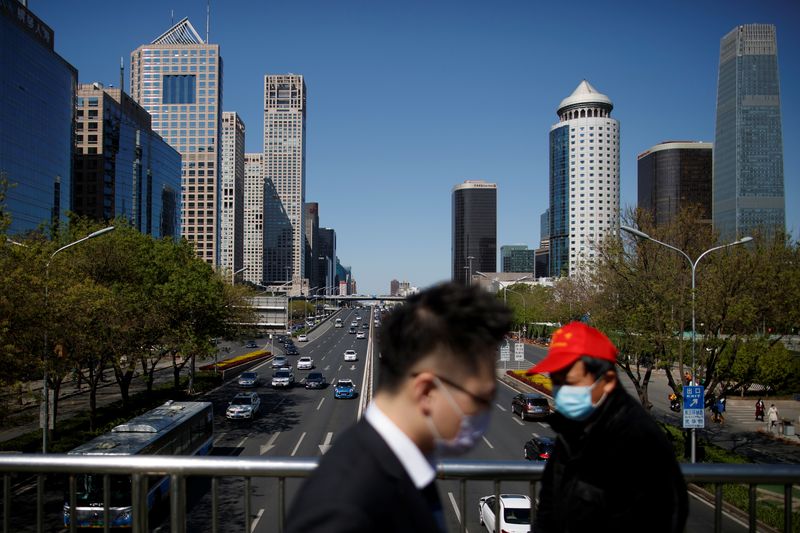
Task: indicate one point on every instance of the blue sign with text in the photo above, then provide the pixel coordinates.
(693, 407)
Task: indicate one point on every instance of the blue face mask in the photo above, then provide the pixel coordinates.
(575, 402)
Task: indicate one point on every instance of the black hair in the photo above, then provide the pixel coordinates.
(466, 323)
(597, 367)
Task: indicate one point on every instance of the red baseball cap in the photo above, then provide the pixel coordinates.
(571, 342)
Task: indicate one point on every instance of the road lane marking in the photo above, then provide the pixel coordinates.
(264, 448)
(535, 435)
(455, 506)
(489, 444)
(340, 368)
(325, 446)
(241, 443)
(296, 446)
(501, 407)
(517, 420)
(545, 426)
(218, 439)
(320, 403)
(255, 522)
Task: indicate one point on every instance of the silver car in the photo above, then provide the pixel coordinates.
(243, 406)
(305, 363)
(249, 379)
(280, 361)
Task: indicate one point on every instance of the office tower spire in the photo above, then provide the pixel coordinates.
(584, 179)
(748, 181)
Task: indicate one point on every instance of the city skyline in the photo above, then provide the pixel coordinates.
(376, 145)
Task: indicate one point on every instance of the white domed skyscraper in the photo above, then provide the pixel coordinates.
(584, 179)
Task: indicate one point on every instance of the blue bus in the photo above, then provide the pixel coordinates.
(175, 428)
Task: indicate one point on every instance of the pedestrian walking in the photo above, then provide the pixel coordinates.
(760, 410)
(721, 410)
(772, 417)
(435, 397)
(585, 488)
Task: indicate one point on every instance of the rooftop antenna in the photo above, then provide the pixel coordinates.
(121, 77)
(208, 18)
(171, 17)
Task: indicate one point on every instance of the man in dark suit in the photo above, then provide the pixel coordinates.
(434, 396)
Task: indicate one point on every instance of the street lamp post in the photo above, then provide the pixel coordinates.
(45, 391)
(233, 276)
(693, 265)
(469, 276)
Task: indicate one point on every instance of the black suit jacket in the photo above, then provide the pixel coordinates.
(360, 485)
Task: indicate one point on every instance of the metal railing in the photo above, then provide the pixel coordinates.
(179, 468)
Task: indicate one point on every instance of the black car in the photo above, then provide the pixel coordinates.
(530, 405)
(538, 449)
(352, 330)
(251, 344)
(291, 350)
(315, 380)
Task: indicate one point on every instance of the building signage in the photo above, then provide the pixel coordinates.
(28, 21)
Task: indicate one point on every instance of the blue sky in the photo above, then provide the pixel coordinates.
(406, 99)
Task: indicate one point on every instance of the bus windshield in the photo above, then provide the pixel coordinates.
(90, 490)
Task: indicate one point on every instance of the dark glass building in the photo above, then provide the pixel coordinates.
(474, 229)
(674, 175)
(517, 258)
(122, 168)
(37, 96)
(748, 184)
(326, 259)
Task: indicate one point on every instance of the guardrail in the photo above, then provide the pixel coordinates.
(178, 468)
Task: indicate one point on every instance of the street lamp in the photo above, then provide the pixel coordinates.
(693, 265)
(504, 286)
(45, 390)
(233, 276)
(469, 276)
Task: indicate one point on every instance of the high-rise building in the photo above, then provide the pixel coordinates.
(544, 229)
(121, 167)
(37, 97)
(505, 255)
(394, 287)
(253, 218)
(311, 230)
(231, 212)
(584, 179)
(474, 245)
(177, 78)
(285, 169)
(326, 258)
(517, 258)
(674, 175)
(748, 179)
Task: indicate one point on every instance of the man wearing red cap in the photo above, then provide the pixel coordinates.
(612, 468)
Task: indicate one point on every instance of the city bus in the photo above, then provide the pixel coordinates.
(174, 428)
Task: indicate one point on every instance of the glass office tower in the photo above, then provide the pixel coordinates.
(748, 179)
(37, 96)
(673, 175)
(122, 168)
(474, 229)
(177, 78)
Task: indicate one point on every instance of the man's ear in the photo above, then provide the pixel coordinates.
(610, 381)
(421, 387)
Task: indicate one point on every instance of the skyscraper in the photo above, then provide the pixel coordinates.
(37, 97)
(121, 167)
(517, 258)
(285, 169)
(326, 258)
(177, 78)
(674, 175)
(474, 229)
(311, 231)
(748, 148)
(231, 223)
(584, 179)
(253, 218)
(506, 251)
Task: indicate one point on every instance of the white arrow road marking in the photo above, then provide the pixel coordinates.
(325, 446)
(489, 444)
(320, 403)
(255, 521)
(296, 446)
(264, 448)
(501, 407)
(352, 367)
(327, 368)
(518, 421)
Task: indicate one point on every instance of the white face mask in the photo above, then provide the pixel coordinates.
(470, 431)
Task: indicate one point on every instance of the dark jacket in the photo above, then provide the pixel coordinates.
(615, 471)
(360, 485)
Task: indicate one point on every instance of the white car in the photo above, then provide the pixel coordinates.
(283, 378)
(302, 338)
(515, 513)
(353, 324)
(350, 355)
(361, 335)
(305, 363)
(244, 405)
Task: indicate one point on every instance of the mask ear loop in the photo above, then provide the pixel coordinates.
(450, 399)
